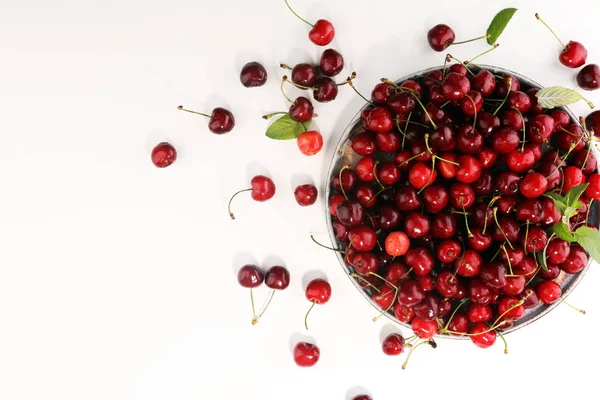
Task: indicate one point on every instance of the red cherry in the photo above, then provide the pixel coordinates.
(459, 324)
(325, 90)
(301, 110)
(163, 155)
(334, 201)
(533, 185)
(364, 144)
(363, 238)
(541, 128)
(397, 244)
(318, 291)
(469, 170)
(310, 143)
(306, 195)
(262, 189)
(484, 82)
(469, 264)
(393, 344)
(304, 74)
(221, 120)
(277, 278)
(306, 354)
(250, 276)
(593, 189)
(382, 92)
(253, 75)
(589, 77)
(573, 55)
(420, 260)
(482, 336)
(440, 37)
(479, 313)
(455, 86)
(322, 33)
(592, 122)
(548, 291)
(572, 177)
(403, 313)
(421, 175)
(576, 261)
(331, 62)
(379, 119)
(424, 329)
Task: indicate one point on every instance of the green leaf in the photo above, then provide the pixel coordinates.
(589, 239)
(570, 212)
(561, 230)
(541, 259)
(559, 201)
(498, 24)
(573, 195)
(285, 128)
(557, 96)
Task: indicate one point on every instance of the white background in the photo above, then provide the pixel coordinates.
(118, 279)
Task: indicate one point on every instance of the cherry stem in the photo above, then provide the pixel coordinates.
(445, 328)
(412, 158)
(326, 247)
(504, 340)
(283, 91)
(446, 61)
(503, 248)
(299, 17)
(451, 57)
(340, 178)
(255, 320)
(285, 66)
(430, 175)
(375, 174)
(383, 279)
(524, 132)
(231, 199)
(526, 237)
(354, 275)
(550, 29)
(285, 78)
(472, 40)
(491, 203)
(193, 112)
(562, 299)
(509, 84)
(252, 302)
(308, 312)
(268, 116)
(466, 221)
(383, 312)
(429, 342)
(587, 156)
(482, 54)
(587, 214)
(501, 230)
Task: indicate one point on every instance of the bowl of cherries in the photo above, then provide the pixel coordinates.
(459, 206)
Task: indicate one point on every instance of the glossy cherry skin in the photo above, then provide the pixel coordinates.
(221, 121)
(550, 273)
(334, 202)
(514, 285)
(589, 77)
(306, 354)
(448, 251)
(388, 173)
(332, 62)
(469, 170)
(592, 122)
(502, 87)
(478, 292)
(535, 240)
(263, 188)
(573, 55)
(340, 230)
(362, 397)
(573, 135)
(301, 110)
(403, 313)
(472, 102)
(318, 291)
(416, 225)
(585, 160)
(484, 82)
(389, 217)
(505, 140)
(593, 189)
(512, 119)
(306, 195)
(396, 272)
(424, 329)
(487, 157)
(393, 344)
(379, 119)
(326, 90)
(364, 263)
(531, 298)
(469, 140)
(520, 161)
(397, 244)
(462, 195)
(459, 324)
(250, 276)
(507, 307)
(389, 142)
(484, 186)
(436, 198)
(382, 92)
(420, 260)
(421, 175)
(401, 103)
(572, 177)
(481, 337)
(277, 277)
(364, 144)
(455, 86)
(576, 261)
(253, 75)
(469, 265)
(507, 183)
(548, 291)
(407, 199)
(519, 100)
(479, 313)
(163, 155)
(348, 181)
(322, 33)
(533, 185)
(443, 225)
(541, 128)
(363, 238)
(494, 275)
(440, 37)
(558, 251)
(530, 210)
(304, 74)
(446, 284)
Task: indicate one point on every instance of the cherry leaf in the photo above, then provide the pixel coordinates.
(285, 128)
(498, 24)
(541, 259)
(573, 195)
(559, 201)
(558, 96)
(562, 231)
(589, 239)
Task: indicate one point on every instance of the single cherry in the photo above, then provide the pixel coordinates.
(397, 244)
(331, 62)
(163, 155)
(221, 120)
(301, 110)
(306, 195)
(310, 143)
(250, 276)
(325, 90)
(573, 54)
(482, 336)
(318, 291)
(322, 32)
(303, 74)
(589, 77)
(393, 344)
(262, 189)
(253, 74)
(548, 291)
(306, 354)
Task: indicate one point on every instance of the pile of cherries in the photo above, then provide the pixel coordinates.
(443, 216)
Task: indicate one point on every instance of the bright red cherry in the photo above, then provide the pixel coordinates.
(364, 144)
(421, 175)
(262, 189)
(306, 354)
(363, 238)
(482, 336)
(310, 143)
(163, 155)
(548, 291)
(424, 329)
(379, 119)
(318, 291)
(576, 261)
(322, 32)
(393, 344)
(484, 82)
(397, 244)
(455, 86)
(277, 278)
(382, 92)
(573, 55)
(306, 195)
(533, 185)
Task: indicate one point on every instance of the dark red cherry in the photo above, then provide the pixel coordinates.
(494, 275)
(487, 157)
(420, 260)
(440, 37)
(469, 264)
(592, 122)
(448, 251)
(163, 155)
(277, 277)
(416, 225)
(379, 119)
(407, 199)
(541, 128)
(325, 90)
(301, 110)
(507, 183)
(472, 102)
(382, 92)
(389, 217)
(484, 186)
(351, 212)
(443, 225)
(484, 82)
(487, 123)
(363, 238)
(304, 74)
(253, 75)
(401, 103)
(250, 276)
(393, 344)
(469, 140)
(455, 86)
(428, 309)
(479, 240)
(410, 293)
(306, 195)
(512, 119)
(519, 100)
(576, 261)
(585, 160)
(502, 87)
(436, 198)
(331, 62)
(348, 179)
(505, 140)
(306, 354)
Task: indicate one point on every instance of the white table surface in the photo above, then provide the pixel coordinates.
(118, 279)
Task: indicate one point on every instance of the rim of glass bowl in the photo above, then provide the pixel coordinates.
(343, 152)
